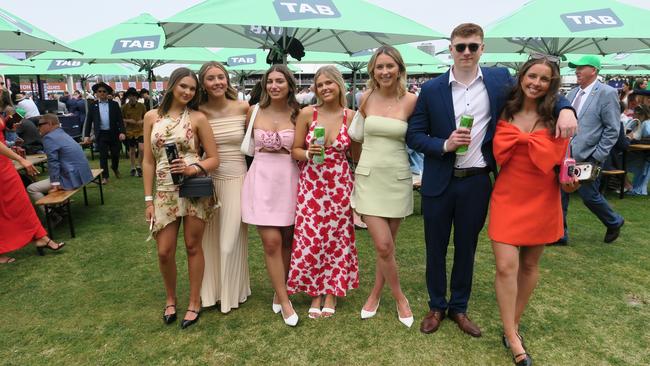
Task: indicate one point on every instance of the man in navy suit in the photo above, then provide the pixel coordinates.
(66, 161)
(456, 188)
(105, 119)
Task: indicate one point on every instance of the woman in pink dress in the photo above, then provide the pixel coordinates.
(268, 197)
(324, 258)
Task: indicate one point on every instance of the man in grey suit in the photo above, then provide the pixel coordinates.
(66, 161)
(598, 126)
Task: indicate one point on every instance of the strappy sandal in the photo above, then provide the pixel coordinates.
(40, 249)
(7, 260)
(526, 361)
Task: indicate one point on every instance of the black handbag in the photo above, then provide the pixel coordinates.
(197, 187)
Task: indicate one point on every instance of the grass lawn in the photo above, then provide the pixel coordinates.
(100, 300)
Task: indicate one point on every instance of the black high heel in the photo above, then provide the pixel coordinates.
(41, 249)
(527, 361)
(186, 323)
(506, 344)
(169, 318)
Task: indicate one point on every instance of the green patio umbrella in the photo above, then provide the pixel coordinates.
(628, 61)
(242, 63)
(18, 35)
(288, 27)
(138, 41)
(427, 69)
(63, 67)
(559, 27)
(10, 61)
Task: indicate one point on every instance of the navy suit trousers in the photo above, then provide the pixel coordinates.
(463, 204)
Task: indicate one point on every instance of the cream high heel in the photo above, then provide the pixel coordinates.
(291, 321)
(365, 314)
(276, 307)
(408, 321)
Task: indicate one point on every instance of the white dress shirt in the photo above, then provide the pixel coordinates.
(587, 91)
(471, 99)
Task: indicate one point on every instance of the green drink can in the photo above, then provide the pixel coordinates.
(466, 121)
(319, 134)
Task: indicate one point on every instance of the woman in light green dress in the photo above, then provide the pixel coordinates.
(383, 190)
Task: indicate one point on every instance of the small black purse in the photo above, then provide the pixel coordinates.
(197, 187)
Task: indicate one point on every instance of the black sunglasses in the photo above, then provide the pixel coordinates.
(43, 123)
(101, 91)
(473, 47)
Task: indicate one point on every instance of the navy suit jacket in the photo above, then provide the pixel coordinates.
(66, 161)
(433, 121)
(93, 120)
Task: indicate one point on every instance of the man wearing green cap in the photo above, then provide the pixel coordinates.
(598, 126)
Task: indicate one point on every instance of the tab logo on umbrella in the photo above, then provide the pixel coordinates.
(132, 44)
(22, 26)
(258, 31)
(64, 64)
(242, 60)
(591, 19)
(305, 9)
(621, 56)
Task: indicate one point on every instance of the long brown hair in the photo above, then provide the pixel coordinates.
(231, 93)
(265, 99)
(174, 79)
(545, 104)
(393, 53)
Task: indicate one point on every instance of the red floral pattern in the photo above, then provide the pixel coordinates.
(324, 255)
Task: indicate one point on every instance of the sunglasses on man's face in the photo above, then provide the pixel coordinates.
(101, 91)
(460, 47)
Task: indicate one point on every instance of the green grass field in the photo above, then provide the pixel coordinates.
(99, 301)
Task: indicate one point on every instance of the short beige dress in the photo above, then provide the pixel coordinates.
(168, 205)
(383, 185)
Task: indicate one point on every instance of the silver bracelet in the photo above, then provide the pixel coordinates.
(307, 155)
(148, 198)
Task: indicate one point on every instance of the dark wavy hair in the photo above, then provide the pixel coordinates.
(231, 93)
(265, 99)
(545, 104)
(174, 79)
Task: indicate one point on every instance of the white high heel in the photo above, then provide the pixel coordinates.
(276, 307)
(408, 321)
(365, 314)
(292, 320)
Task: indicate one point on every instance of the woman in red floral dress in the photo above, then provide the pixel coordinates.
(324, 257)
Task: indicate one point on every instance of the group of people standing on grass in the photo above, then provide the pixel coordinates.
(300, 191)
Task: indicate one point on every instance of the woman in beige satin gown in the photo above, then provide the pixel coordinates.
(225, 241)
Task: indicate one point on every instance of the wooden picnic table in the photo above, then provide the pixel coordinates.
(639, 147)
(36, 159)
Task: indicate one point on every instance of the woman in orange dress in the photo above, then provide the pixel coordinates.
(525, 208)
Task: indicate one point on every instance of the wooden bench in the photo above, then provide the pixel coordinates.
(61, 199)
(607, 174)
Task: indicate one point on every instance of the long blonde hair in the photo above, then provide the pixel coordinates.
(231, 93)
(393, 53)
(333, 73)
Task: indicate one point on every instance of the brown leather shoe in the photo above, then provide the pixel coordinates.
(431, 321)
(465, 324)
